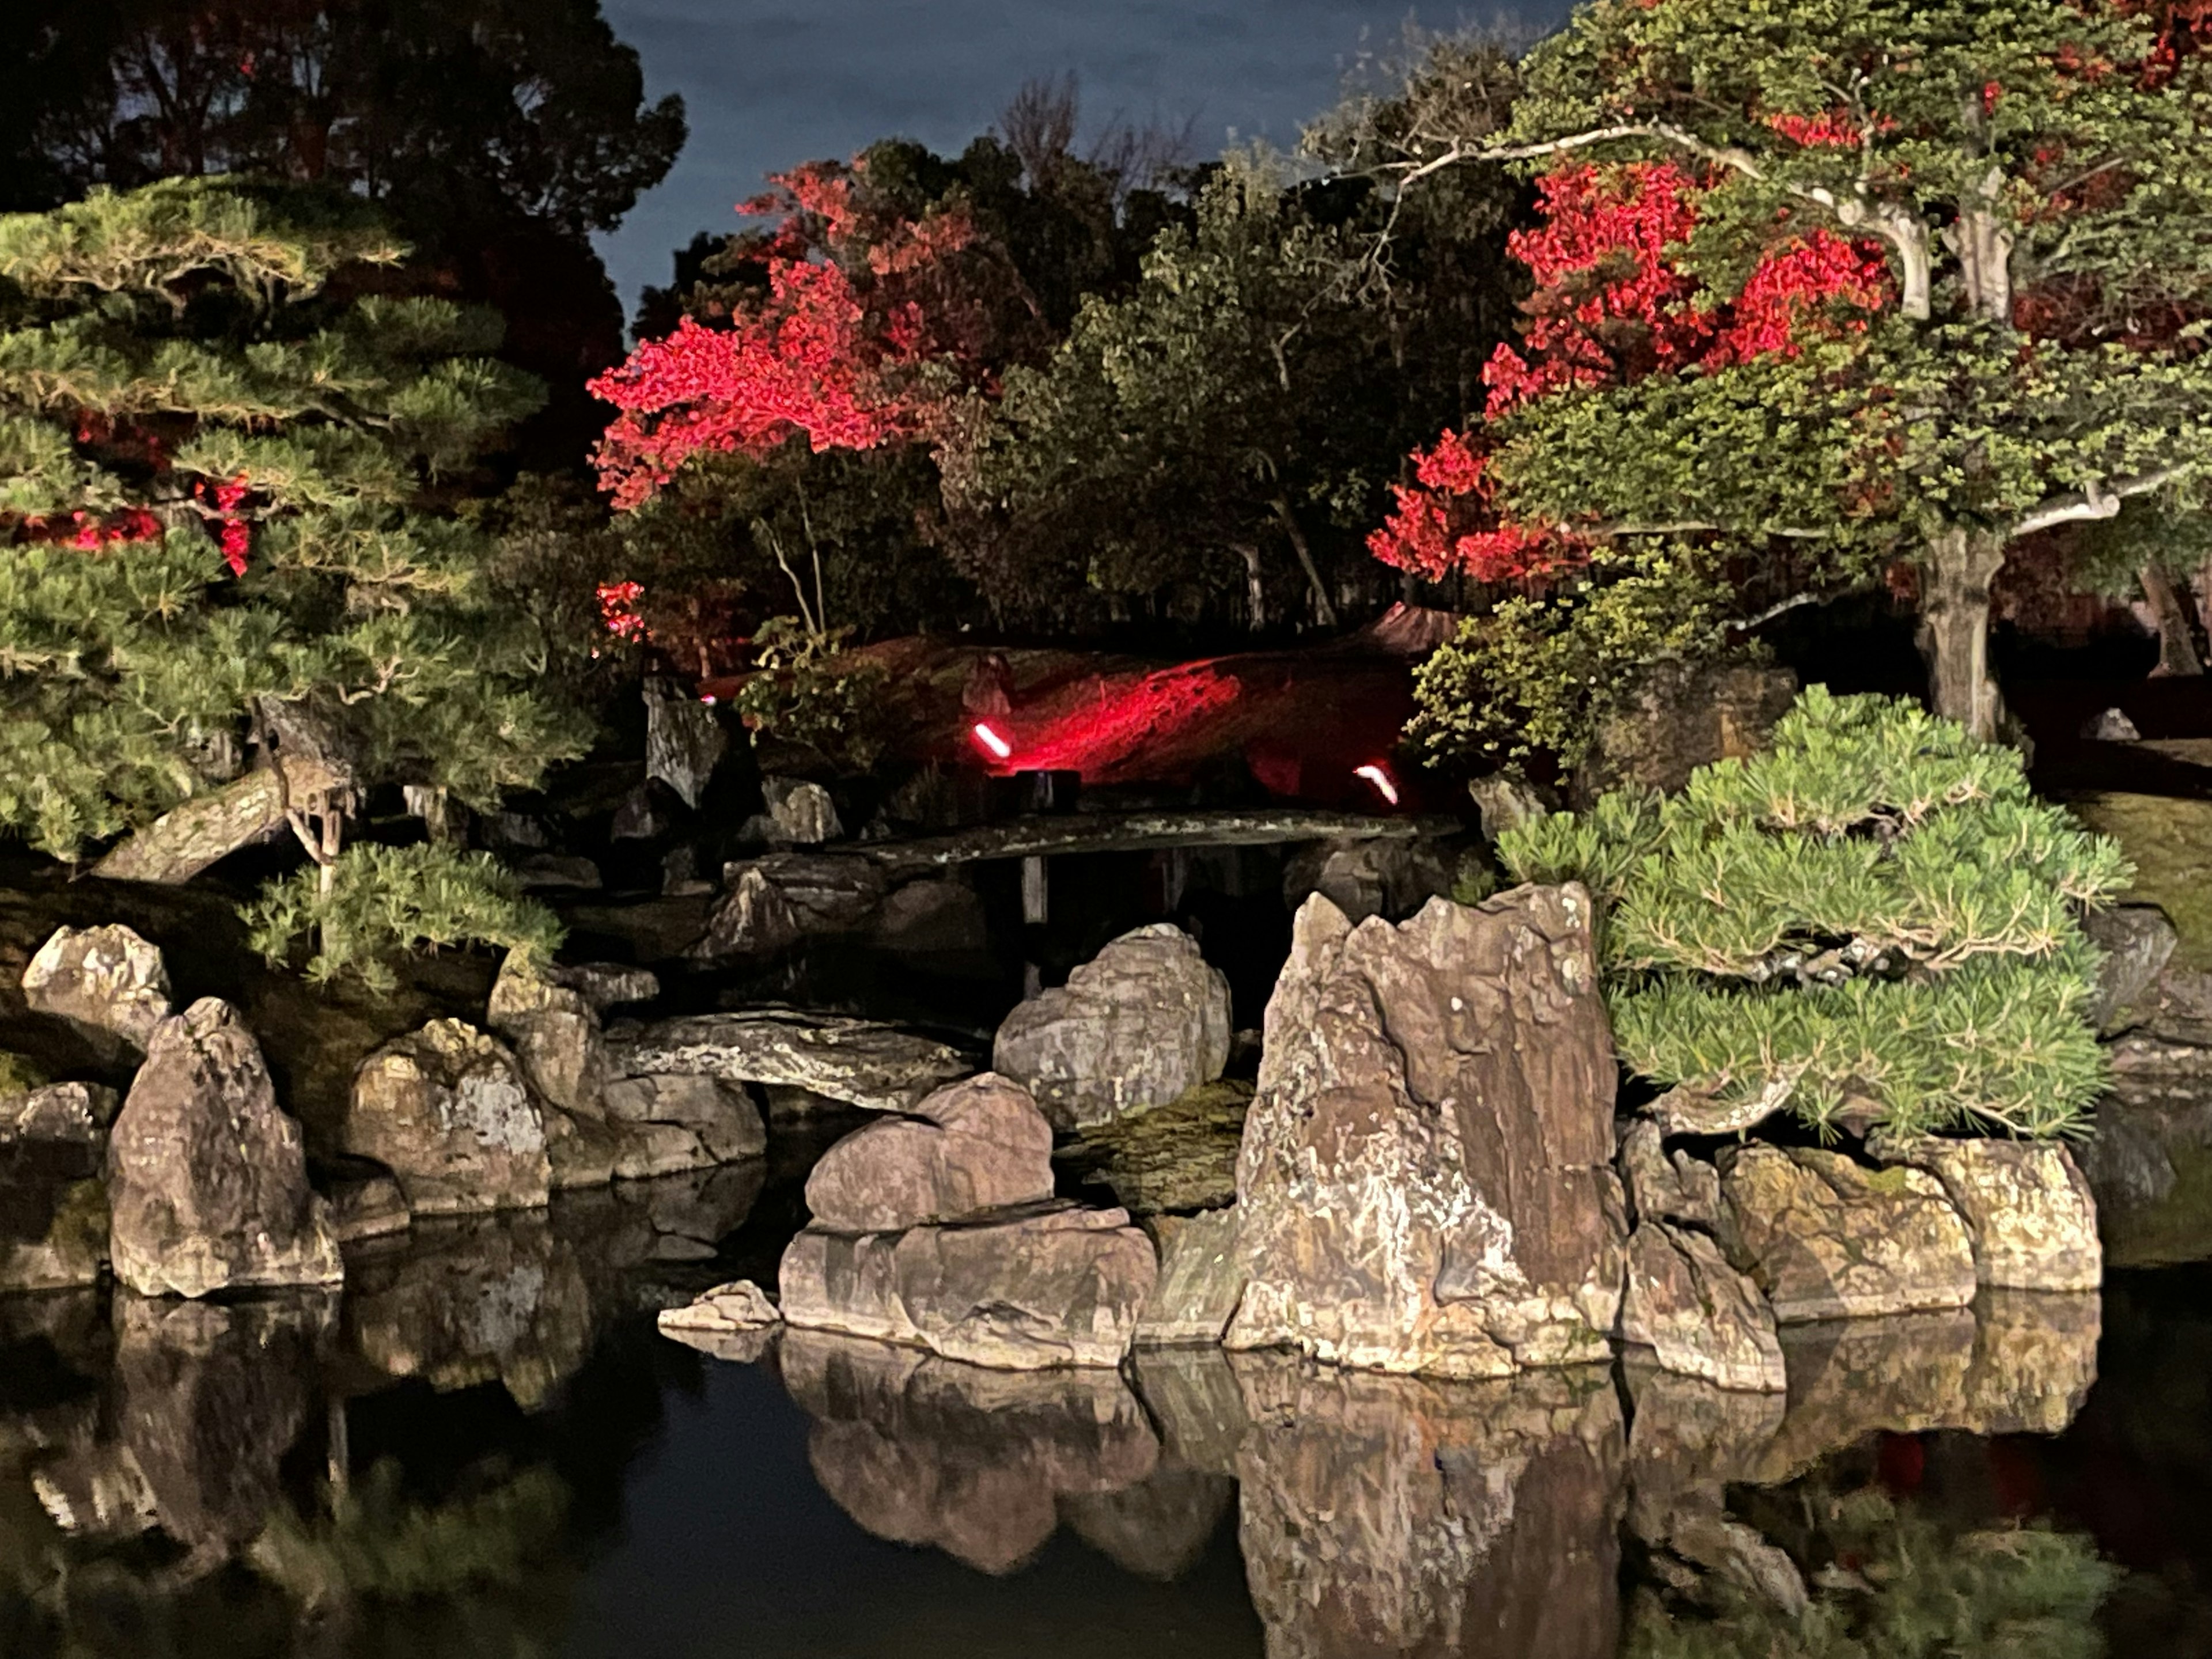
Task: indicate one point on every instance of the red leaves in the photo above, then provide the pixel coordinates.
(618, 610)
(90, 531)
(1830, 129)
(856, 304)
(233, 532)
(1447, 521)
(1611, 307)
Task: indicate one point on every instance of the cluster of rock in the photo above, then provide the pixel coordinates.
(938, 1226)
(1430, 1179)
(465, 1122)
(199, 1182)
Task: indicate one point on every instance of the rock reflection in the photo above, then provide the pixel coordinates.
(975, 1462)
(175, 1476)
(516, 1297)
(1391, 1515)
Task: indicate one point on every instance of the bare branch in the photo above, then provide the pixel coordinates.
(2094, 504)
(1773, 611)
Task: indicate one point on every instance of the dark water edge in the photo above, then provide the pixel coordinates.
(485, 1449)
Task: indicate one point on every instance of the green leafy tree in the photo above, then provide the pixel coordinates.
(2036, 177)
(1226, 427)
(1874, 919)
(222, 517)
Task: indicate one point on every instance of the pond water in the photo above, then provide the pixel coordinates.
(484, 1448)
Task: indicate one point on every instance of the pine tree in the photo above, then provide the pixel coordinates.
(1873, 920)
(226, 467)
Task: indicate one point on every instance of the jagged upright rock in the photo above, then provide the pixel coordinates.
(683, 741)
(207, 1176)
(555, 1033)
(1698, 1315)
(1140, 1023)
(107, 981)
(1425, 1183)
(446, 1110)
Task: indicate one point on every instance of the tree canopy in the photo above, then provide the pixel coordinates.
(222, 483)
(1845, 287)
(497, 135)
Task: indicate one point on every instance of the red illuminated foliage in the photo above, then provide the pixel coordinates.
(1611, 306)
(862, 323)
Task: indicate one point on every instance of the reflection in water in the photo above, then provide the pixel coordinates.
(924, 1450)
(444, 1464)
(1387, 1515)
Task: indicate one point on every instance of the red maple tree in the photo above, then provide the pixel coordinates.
(1612, 304)
(862, 323)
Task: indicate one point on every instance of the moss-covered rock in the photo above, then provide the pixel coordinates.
(1174, 1158)
(2170, 843)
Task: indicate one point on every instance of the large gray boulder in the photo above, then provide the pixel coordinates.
(1134, 1027)
(972, 1147)
(1425, 1183)
(1827, 1239)
(1060, 1288)
(860, 1062)
(206, 1176)
(108, 982)
(447, 1111)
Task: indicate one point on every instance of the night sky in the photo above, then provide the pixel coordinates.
(772, 82)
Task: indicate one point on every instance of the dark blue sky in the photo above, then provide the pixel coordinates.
(771, 83)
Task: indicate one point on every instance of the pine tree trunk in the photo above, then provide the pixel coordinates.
(1324, 612)
(2177, 651)
(1954, 628)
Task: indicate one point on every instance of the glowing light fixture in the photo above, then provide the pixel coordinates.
(988, 739)
(1377, 775)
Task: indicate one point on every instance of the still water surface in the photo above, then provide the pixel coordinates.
(484, 1448)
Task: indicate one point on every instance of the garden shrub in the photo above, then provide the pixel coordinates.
(1874, 915)
(380, 901)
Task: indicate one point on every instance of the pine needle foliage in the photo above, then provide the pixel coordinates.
(225, 473)
(382, 900)
(1876, 911)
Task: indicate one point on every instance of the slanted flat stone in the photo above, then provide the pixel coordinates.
(1060, 1288)
(861, 1062)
